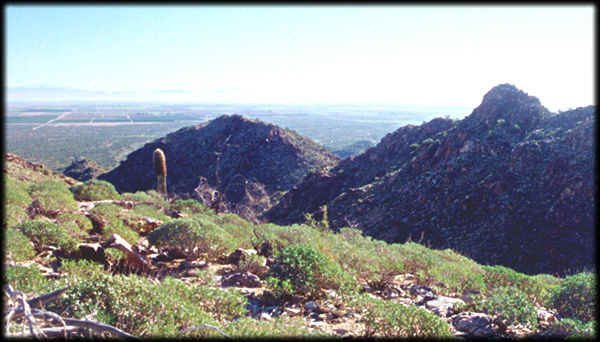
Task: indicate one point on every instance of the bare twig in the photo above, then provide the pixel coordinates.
(200, 326)
(60, 331)
(43, 299)
(33, 329)
(98, 327)
(52, 315)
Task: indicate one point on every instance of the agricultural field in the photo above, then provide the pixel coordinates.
(106, 133)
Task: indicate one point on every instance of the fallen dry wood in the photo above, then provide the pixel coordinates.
(133, 258)
(43, 299)
(18, 307)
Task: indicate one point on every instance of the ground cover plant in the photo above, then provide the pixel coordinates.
(94, 190)
(308, 280)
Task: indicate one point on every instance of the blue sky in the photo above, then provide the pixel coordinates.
(429, 55)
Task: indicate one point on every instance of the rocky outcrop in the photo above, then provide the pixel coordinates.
(246, 163)
(83, 170)
(510, 184)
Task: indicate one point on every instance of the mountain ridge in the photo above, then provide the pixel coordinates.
(471, 184)
(249, 162)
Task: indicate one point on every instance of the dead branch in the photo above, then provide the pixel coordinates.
(97, 326)
(43, 299)
(116, 241)
(20, 307)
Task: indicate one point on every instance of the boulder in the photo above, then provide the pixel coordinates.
(443, 306)
(474, 324)
(91, 251)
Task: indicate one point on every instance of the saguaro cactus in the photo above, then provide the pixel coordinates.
(160, 168)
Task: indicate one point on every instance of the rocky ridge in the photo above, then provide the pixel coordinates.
(511, 184)
(83, 169)
(247, 163)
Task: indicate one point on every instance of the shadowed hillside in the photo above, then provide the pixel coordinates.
(251, 163)
(510, 184)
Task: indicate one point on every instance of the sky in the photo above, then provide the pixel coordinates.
(406, 55)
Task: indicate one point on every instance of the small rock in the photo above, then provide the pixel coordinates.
(545, 315)
(421, 290)
(91, 251)
(405, 301)
(366, 288)
(193, 264)
(341, 331)
(442, 306)
(292, 311)
(245, 279)
(316, 324)
(239, 254)
(311, 306)
(392, 295)
(265, 316)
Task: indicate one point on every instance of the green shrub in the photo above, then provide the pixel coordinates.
(389, 319)
(415, 145)
(500, 121)
(26, 279)
(188, 206)
(497, 276)
(16, 193)
(45, 233)
(94, 190)
(112, 216)
(240, 229)
(374, 261)
(574, 328)
(135, 304)
(53, 196)
(427, 141)
(575, 297)
(224, 305)
(146, 210)
(18, 245)
(252, 263)
(301, 269)
(278, 326)
(510, 304)
(82, 268)
(139, 196)
(193, 237)
(82, 221)
(14, 215)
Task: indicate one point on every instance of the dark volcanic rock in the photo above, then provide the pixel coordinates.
(83, 170)
(250, 163)
(511, 184)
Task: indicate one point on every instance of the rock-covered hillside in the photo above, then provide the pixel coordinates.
(510, 184)
(83, 169)
(251, 163)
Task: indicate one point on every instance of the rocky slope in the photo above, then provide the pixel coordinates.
(510, 184)
(251, 164)
(83, 169)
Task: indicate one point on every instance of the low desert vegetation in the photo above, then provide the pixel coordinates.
(296, 264)
(94, 190)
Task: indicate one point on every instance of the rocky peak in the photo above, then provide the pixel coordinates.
(250, 162)
(507, 104)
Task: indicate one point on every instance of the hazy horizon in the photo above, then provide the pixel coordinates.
(424, 56)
